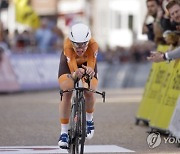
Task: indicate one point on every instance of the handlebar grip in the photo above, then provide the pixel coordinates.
(87, 78)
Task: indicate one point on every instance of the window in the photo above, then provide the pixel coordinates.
(130, 22)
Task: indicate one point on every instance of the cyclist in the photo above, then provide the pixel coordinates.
(79, 54)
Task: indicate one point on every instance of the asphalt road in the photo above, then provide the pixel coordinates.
(32, 119)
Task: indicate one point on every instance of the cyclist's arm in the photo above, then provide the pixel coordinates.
(71, 60)
(159, 56)
(70, 55)
(92, 55)
(72, 63)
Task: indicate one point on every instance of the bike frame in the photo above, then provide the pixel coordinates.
(77, 130)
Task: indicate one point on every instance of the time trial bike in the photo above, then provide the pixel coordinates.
(77, 128)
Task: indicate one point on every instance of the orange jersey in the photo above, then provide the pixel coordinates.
(74, 60)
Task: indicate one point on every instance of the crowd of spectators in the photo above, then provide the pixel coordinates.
(47, 38)
(162, 29)
(165, 27)
(159, 25)
(137, 52)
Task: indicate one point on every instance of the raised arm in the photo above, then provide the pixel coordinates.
(159, 56)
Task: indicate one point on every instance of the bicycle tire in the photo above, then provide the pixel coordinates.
(72, 130)
(82, 124)
(77, 131)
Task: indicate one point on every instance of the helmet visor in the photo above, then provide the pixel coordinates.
(80, 45)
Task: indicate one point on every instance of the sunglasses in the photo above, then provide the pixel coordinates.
(80, 45)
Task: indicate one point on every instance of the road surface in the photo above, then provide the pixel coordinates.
(31, 120)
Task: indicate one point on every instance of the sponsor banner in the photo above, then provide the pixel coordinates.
(170, 98)
(160, 86)
(8, 82)
(36, 71)
(161, 94)
(153, 88)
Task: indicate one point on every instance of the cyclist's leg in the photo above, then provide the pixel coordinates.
(89, 96)
(90, 101)
(64, 106)
(65, 82)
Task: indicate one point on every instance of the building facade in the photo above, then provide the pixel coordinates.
(113, 22)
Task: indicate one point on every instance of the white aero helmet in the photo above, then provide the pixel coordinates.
(80, 33)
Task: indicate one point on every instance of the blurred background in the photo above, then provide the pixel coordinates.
(32, 33)
(30, 27)
(109, 20)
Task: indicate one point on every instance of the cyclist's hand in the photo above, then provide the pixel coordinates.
(89, 71)
(78, 73)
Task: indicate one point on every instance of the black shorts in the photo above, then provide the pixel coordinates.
(64, 68)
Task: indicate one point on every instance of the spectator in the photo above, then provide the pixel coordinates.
(19, 42)
(174, 11)
(100, 55)
(44, 36)
(166, 22)
(1, 54)
(3, 44)
(6, 37)
(122, 54)
(152, 6)
(28, 41)
(57, 38)
(173, 8)
(171, 38)
(141, 49)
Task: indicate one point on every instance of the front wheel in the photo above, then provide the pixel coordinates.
(72, 128)
(77, 131)
(81, 125)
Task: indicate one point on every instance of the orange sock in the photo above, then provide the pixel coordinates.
(64, 121)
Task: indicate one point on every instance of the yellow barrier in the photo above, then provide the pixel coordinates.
(161, 93)
(168, 96)
(152, 88)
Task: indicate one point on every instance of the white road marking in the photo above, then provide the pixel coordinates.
(55, 149)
